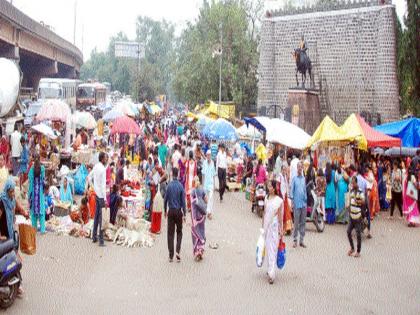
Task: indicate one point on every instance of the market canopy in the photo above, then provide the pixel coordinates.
(54, 110)
(408, 130)
(45, 130)
(215, 110)
(327, 131)
(112, 115)
(84, 119)
(285, 133)
(261, 122)
(127, 108)
(125, 125)
(248, 132)
(371, 138)
(221, 130)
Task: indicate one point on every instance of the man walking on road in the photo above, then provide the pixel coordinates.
(16, 149)
(357, 200)
(98, 175)
(221, 165)
(209, 172)
(298, 196)
(175, 201)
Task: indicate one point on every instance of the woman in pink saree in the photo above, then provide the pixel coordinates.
(410, 205)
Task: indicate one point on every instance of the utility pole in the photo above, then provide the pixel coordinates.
(220, 68)
(74, 25)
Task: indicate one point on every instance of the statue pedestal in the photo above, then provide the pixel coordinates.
(303, 109)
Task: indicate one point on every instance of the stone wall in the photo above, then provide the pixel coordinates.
(352, 47)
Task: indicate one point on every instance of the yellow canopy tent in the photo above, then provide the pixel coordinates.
(214, 110)
(352, 131)
(327, 131)
(192, 115)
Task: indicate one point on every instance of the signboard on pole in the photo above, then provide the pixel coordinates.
(129, 50)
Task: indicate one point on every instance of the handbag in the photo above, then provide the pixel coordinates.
(200, 204)
(27, 236)
(281, 254)
(412, 191)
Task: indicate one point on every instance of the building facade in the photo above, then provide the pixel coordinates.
(352, 46)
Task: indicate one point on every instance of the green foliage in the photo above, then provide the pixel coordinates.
(408, 59)
(196, 77)
(143, 80)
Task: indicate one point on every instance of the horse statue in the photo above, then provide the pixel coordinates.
(303, 64)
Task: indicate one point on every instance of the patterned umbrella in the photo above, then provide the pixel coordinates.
(222, 130)
(54, 110)
(125, 125)
(85, 120)
(112, 115)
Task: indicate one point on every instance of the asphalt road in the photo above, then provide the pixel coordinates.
(74, 276)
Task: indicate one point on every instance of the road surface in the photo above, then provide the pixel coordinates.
(73, 276)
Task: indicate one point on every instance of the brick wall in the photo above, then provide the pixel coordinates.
(352, 48)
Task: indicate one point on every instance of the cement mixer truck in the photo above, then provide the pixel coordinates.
(10, 108)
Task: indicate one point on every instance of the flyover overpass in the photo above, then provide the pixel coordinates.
(39, 51)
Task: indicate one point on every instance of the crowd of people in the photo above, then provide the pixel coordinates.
(174, 160)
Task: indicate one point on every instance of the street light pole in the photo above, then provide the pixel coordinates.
(220, 69)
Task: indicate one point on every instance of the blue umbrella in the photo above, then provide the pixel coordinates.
(222, 130)
(206, 129)
(112, 115)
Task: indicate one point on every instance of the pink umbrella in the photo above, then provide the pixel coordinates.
(125, 124)
(54, 110)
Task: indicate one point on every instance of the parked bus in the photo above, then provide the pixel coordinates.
(108, 87)
(63, 89)
(89, 94)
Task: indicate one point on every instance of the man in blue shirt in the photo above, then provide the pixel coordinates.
(175, 201)
(298, 196)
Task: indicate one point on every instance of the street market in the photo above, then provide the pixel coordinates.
(214, 157)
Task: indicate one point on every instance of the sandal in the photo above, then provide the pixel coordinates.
(350, 252)
(270, 281)
(357, 255)
(178, 258)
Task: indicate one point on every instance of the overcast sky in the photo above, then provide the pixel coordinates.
(98, 20)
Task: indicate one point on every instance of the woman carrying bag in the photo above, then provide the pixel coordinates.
(273, 228)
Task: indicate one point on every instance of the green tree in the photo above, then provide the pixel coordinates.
(196, 69)
(408, 54)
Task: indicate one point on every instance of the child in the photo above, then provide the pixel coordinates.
(81, 216)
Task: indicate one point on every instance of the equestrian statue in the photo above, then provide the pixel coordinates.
(303, 63)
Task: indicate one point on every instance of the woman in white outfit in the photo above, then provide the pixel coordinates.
(273, 228)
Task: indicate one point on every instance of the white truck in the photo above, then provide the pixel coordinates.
(10, 108)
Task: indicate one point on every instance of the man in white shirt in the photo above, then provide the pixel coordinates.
(16, 149)
(221, 165)
(293, 168)
(176, 156)
(97, 178)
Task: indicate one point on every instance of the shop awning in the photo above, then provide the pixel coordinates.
(408, 130)
(327, 131)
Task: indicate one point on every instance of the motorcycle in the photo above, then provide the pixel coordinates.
(259, 199)
(315, 213)
(10, 266)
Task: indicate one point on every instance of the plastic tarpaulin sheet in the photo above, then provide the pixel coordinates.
(408, 130)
